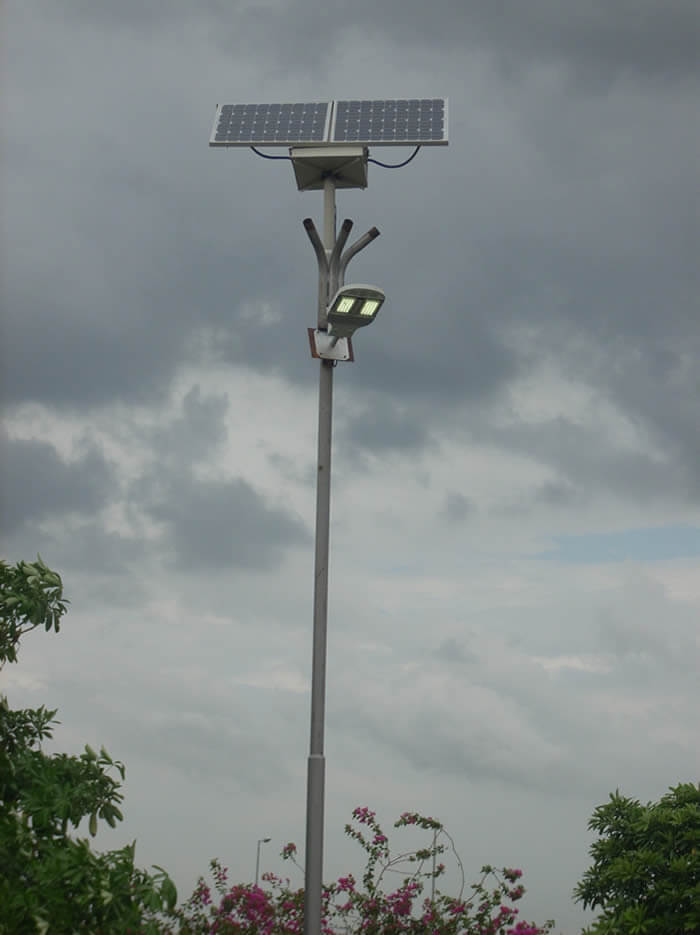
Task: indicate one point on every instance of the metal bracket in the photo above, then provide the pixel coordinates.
(327, 347)
(331, 275)
(333, 267)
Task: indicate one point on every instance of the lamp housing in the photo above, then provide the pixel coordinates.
(353, 307)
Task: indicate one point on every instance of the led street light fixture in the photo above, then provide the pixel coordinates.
(353, 307)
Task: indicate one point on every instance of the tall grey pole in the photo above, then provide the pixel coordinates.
(315, 788)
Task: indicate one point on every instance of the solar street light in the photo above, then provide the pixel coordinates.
(328, 144)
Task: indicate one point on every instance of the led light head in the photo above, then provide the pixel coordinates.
(353, 307)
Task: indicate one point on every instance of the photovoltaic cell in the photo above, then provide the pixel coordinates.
(415, 121)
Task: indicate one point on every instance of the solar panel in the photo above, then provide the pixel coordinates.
(410, 122)
(270, 124)
(398, 122)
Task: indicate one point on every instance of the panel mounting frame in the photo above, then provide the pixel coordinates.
(346, 165)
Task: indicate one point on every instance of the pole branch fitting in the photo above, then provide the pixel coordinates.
(353, 250)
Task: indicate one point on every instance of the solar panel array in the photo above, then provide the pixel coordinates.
(418, 121)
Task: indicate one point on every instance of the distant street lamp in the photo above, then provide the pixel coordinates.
(257, 858)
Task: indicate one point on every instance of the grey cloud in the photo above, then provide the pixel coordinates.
(560, 494)
(661, 390)
(450, 650)
(124, 329)
(36, 483)
(90, 548)
(588, 461)
(212, 749)
(472, 750)
(640, 36)
(457, 507)
(183, 725)
(557, 493)
(291, 470)
(216, 524)
(557, 229)
(656, 636)
(384, 426)
(633, 35)
(195, 433)
(521, 725)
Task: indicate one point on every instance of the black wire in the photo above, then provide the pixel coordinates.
(265, 155)
(384, 165)
(399, 165)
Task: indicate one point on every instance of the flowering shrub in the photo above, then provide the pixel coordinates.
(349, 909)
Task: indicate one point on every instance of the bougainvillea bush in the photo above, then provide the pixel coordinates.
(366, 907)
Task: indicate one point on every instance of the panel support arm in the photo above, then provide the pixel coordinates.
(353, 250)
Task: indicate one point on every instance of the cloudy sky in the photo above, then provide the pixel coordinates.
(514, 624)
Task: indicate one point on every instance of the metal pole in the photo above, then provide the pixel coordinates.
(315, 788)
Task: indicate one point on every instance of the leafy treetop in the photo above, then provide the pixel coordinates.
(645, 875)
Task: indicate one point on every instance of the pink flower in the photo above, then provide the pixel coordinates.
(363, 814)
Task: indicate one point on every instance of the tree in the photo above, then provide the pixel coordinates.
(646, 865)
(50, 882)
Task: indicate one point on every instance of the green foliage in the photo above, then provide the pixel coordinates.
(50, 882)
(646, 865)
(31, 595)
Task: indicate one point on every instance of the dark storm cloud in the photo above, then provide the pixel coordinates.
(114, 309)
(37, 484)
(639, 35)
(643, 36)
(118, 246)
(557, 224)
(215, 524)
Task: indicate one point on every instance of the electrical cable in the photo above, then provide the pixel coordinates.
(266, 156)
(384, 165)
(398, 165)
